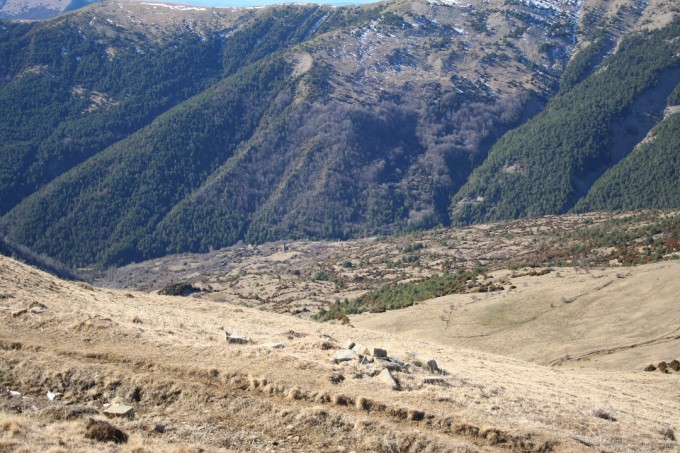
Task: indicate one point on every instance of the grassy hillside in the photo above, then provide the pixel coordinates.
(167, 358)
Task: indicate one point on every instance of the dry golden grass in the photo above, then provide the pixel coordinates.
(607, 318)
(168, 358)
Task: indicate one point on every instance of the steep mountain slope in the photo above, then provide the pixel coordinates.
(70, 91)
(549, 163)
(650, 176)
(134, 130)
(378, 116)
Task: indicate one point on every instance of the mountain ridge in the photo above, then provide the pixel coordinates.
(381, 114)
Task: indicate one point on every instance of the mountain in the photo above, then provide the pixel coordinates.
(38, 9)
(134, 130)
(550, 163)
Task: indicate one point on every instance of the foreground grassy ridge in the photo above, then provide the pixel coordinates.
(167, 357)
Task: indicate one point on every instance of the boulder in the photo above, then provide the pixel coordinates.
(377, 352)
(120, 410)
(343, 355)
(674, 365)
(360, 349)
(650, 368)
(385, 377)
(236, 339)
(350, 344)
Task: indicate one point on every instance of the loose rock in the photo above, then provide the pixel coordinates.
(377, 352)
(343, 355)
(386, 378)
(360, 349)
(432, 365)
(369, 369)
(236, 339)
(120, 410)
(391, 364)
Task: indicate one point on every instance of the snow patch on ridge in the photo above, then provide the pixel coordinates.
(176, 7)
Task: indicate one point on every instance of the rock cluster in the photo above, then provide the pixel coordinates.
(377, 364)
(664, 367)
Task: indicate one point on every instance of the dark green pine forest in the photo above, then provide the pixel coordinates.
(549, 164)
(116, 147)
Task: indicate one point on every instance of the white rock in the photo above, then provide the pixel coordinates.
(120, 410)
(14, 393)
(360, 349)
(386, 378)
(236, 339)
(343, 355)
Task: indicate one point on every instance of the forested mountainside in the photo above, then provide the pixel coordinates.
(134, 130)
